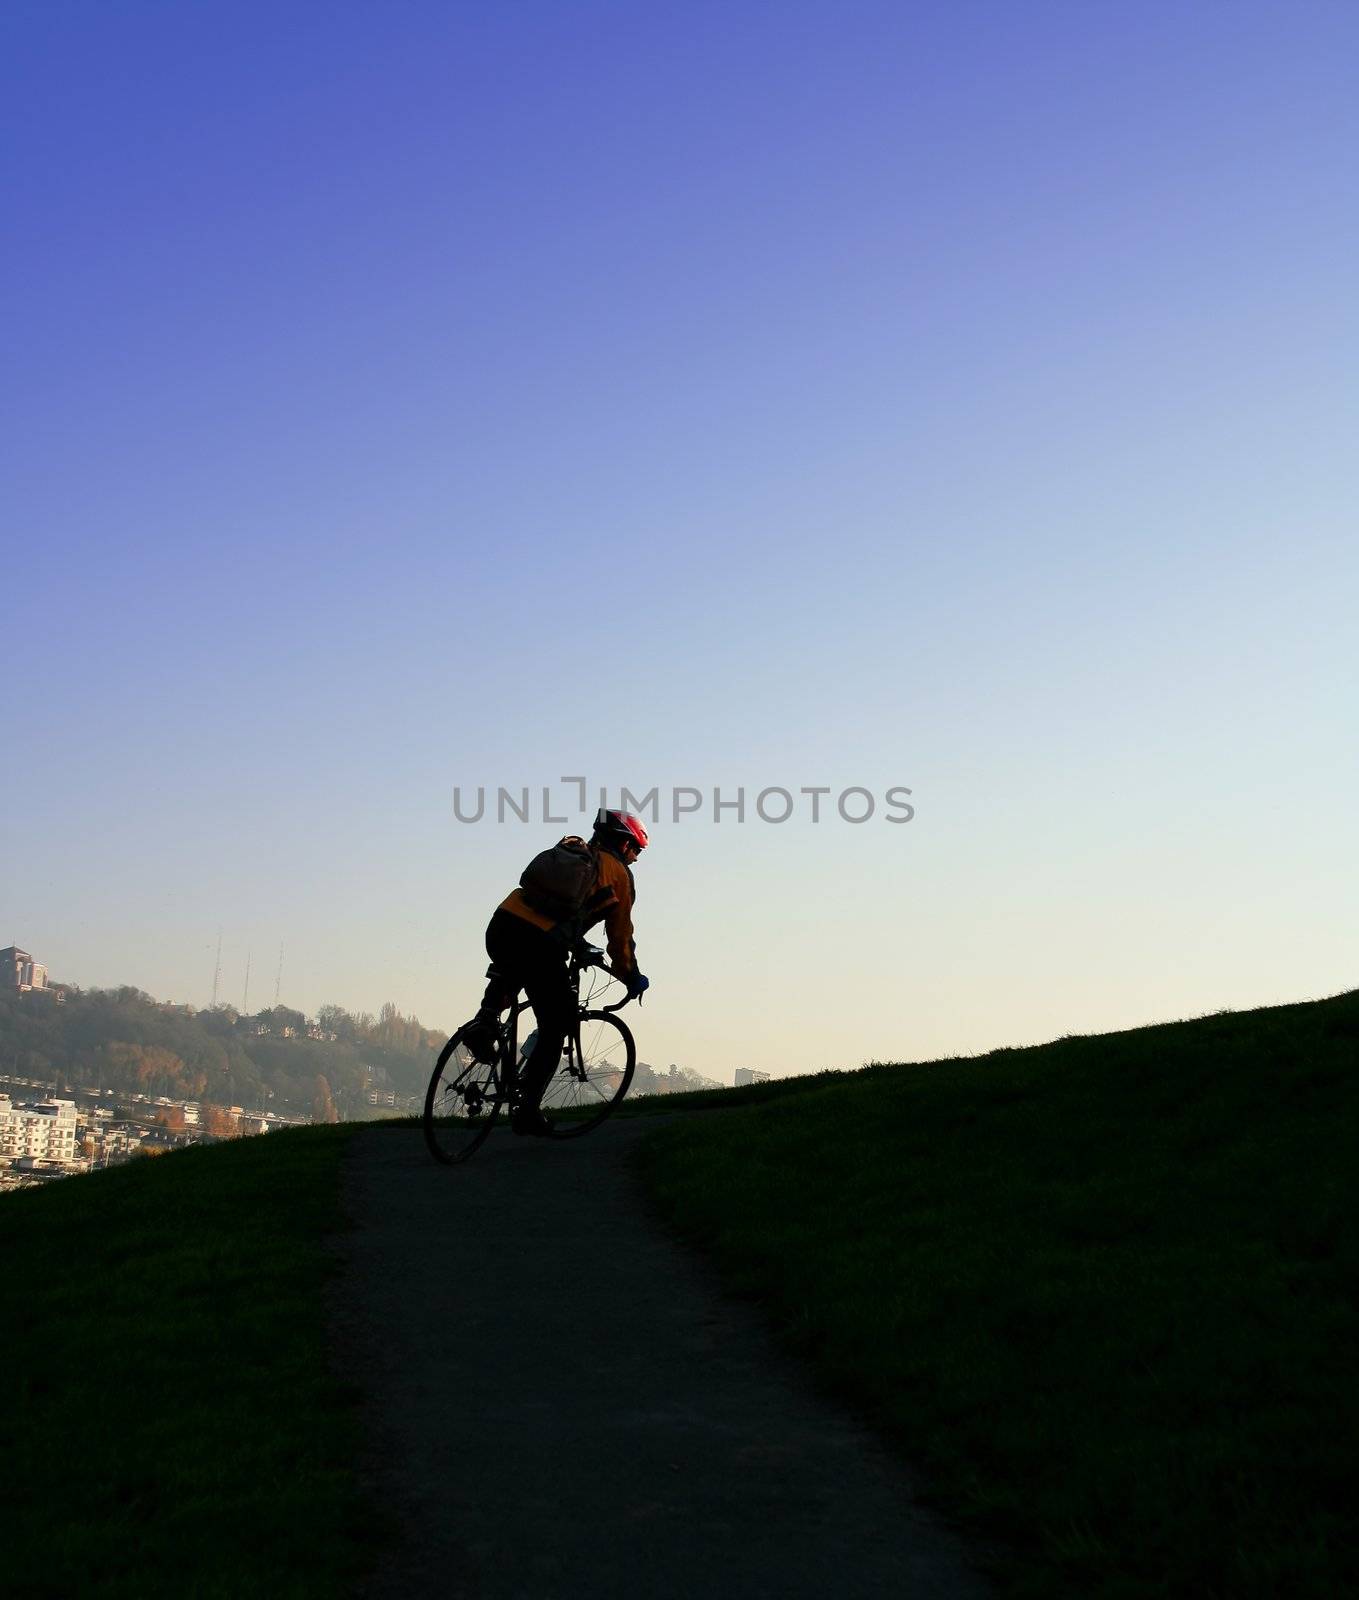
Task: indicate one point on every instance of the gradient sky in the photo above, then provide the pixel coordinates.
(957, 396)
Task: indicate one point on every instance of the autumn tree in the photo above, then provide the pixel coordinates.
(149, 1065)
(282, 1018)
(219, 1122)
(335, 1019)
(322, 1106)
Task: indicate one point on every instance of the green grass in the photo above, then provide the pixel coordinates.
(1103, 1292)
(172, 1424)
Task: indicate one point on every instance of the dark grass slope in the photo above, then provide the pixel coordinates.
(1105, 1291)
(171, 1424)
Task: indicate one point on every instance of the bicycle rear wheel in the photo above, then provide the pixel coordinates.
(462, 1102)
(593, 1075)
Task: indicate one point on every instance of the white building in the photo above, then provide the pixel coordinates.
(746, 1075)
(44, 1130)
(18, 970)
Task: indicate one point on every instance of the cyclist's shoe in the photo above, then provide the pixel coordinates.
(481, 1037)
(529, 1122)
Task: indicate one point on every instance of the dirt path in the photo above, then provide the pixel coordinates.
(562, 1406)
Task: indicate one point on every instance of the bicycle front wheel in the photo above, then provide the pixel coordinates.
(593, 1075)
(462, 1102)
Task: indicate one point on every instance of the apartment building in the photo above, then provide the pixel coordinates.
(42, 1130)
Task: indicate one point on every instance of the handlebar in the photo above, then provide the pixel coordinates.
(592, 955)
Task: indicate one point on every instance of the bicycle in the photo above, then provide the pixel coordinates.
(465, 1097)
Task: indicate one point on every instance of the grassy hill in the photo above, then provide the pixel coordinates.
(172, 1426)
(1103, 1291)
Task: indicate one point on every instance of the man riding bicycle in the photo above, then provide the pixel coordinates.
(528, 947)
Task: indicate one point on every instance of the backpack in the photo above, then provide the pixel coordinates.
(557, 881)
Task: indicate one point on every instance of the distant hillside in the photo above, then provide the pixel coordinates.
(124, 1040)
(647, 1079)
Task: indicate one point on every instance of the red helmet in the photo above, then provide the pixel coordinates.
(619, 828)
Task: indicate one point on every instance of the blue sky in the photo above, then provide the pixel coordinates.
(953, 396)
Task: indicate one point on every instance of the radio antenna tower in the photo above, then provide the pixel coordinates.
(217, 970)
(278, 981)
(245, 998)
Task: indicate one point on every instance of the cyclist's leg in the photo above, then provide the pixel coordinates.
(503, 948)
(502, 987)
(554, 1010)
(535, 962)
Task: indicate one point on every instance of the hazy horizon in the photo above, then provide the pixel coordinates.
(956, 399)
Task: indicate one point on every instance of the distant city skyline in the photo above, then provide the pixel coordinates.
(406, 400)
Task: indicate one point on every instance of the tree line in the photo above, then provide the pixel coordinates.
(124, 1040)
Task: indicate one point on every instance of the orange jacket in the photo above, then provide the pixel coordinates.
(609, 902)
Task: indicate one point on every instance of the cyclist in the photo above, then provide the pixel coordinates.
(530, 949)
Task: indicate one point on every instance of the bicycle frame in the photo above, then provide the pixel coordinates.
(581, 959)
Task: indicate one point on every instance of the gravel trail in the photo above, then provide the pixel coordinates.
(560, 1403)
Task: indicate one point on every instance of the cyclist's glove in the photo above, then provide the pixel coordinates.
(637, 987)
